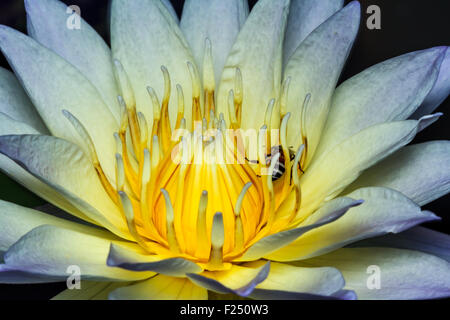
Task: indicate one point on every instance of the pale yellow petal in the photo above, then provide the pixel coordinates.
(161, 287)
(258, 54)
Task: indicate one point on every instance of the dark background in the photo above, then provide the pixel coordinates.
(406, 25)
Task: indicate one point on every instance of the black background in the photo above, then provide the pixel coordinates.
(406, 25)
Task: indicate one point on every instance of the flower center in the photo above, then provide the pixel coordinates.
(205, 194)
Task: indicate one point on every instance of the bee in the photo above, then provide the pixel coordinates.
(279, 168)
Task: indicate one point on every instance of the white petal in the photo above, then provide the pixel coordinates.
(9, 125)
(161, 287)
(286, 281)
(53, 85)
(130, 260)
(333, 171)
(329, 213)
(383, 211)
(49, 250)
(16, 104)
(15, 171)
(217, 20)
(144, 37)
(314, 68)
(258, 54)
(171, 10)
(388, 91)
(404, 274)
(16, 221)
(11, 275)
(238, 280)
(83, 48)
(440, 91)
(304, 17)
(60, 164)
(417, 238)
(421, 172)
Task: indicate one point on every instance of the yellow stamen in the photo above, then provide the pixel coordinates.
(166, 132)
(130, 171)
(303, 129)
(286, 154)
(196, 108)
(284, 96)
(124, 84)
(171, 237)
(145, 180)
(156, 110)
(217, 241)
(128, 212)
(268, 123)
(238, 94)
(84, 135)
(120, 173)
(296, 178)
(144, 129)
(156, 153)
(239, 229)
(207, 163)
(209, 82)
(202, 238)
(180, 114)
(273, 163)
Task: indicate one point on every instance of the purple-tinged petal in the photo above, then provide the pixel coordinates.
(59, 163)
(304, 17)
(16, 104)
(238, 280)
(49, 250)
(16, 221)
(262, 294)
(417, 238)
(402, 274)
(18, 173)
(11, 275)
(420, 171)
(131, 260)
(330, 174)
(440, 91)
(287, 282)
(314, 69)
(54, 85)
(83, 48)
(329, 213)
(389, 91)
(383, 211)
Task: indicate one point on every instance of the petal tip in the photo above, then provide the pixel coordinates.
(354, 4)
(431, 216)
(353, 9)
(110, 262)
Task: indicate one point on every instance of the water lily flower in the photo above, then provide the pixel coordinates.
(91, 130)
